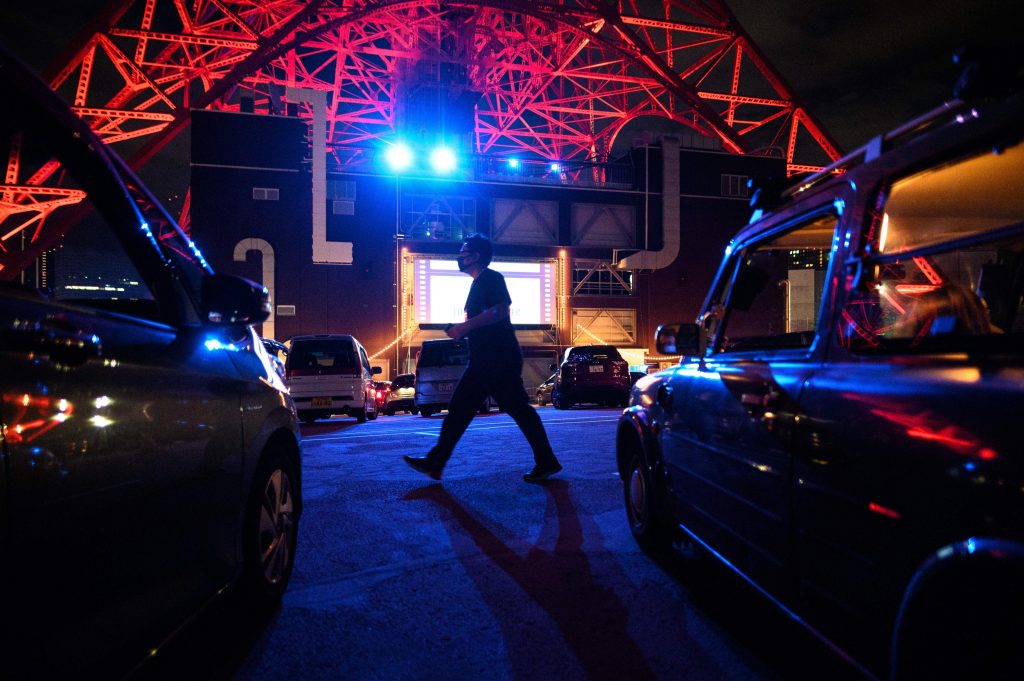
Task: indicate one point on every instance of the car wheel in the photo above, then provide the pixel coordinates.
(414, 411)
(560, 402)
(426, 412)
(307, 417)
(649, 529)
(270, 530)
(372, 415)
(389, 412)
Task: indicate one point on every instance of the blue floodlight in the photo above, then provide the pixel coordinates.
(442, 160)
(513, 164)
(556, 167)
(398, 156)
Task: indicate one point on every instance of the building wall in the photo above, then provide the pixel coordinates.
(235, 153)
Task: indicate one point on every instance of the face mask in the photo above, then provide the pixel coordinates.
(462, 262)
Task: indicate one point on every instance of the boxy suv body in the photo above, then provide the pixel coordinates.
(591, 373)
(843, 428)
(330, 374)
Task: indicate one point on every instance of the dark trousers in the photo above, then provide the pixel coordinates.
(505, 385)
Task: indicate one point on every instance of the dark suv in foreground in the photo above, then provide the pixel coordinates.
(844, 426)
(149, 451)
(591, 373)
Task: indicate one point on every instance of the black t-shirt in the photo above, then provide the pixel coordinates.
(494, 344)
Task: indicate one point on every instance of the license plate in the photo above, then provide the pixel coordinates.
(596, 369)
(321, 402)
(445, 387)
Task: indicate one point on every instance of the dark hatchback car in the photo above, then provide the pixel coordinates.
(844, 426)
(149, 452)
(591, 373)
(401, 395)
(542, 395)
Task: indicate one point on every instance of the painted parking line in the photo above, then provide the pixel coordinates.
(433, 433)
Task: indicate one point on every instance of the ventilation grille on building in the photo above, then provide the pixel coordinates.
(285, 310)
(265, 194)
(343, 207)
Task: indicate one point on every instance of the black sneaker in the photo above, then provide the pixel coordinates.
(424, 465)
(542, 472)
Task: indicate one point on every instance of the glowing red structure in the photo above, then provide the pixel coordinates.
(542, 79)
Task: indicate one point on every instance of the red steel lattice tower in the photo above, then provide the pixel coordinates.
(547, 79)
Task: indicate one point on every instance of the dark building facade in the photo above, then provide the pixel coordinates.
(593, 253)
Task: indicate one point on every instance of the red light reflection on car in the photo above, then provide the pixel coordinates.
(34, 416)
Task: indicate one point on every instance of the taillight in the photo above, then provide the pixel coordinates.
(620, 368)
(300, 372)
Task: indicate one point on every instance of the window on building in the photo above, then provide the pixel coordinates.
(341, 190)
(438, 218)
(735, 185)
(266, 194)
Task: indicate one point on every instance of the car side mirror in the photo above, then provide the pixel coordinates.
(376, 370)
(679, 339)
(233, 301)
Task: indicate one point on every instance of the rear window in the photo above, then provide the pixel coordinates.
(322, 354)
(455, 353)
(591, 352)
(403, 381)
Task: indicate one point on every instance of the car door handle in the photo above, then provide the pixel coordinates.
(68, 347)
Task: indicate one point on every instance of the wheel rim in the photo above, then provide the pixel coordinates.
(638, 497)
(277, 529)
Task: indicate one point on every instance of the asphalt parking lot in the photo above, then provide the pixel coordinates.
(483, 576)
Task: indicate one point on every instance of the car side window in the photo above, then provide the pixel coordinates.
(773, 299)
(944, 260)
(57, 242)
(364, 360)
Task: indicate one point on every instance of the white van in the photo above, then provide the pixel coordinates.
(330, 374)
(439, 367)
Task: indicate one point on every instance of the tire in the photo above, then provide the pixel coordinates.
(560, 401)
(426, 413)
(389, 412)
(372, 415)
(269, 531)
(360, 414)
(307, 416)
(648, 525)
(414, 411)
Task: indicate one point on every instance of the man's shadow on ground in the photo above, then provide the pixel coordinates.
(591, 617)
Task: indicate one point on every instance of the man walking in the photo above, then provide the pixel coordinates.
(495, 368)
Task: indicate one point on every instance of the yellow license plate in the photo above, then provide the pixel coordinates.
(321, 402)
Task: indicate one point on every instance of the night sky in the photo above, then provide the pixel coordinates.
(859, 66)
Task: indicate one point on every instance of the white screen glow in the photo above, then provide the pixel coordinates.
(441, 290)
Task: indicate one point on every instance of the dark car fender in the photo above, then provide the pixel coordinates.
(279, 429)
(638, 430)
(968, 597)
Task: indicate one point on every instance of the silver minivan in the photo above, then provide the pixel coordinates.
(330, 374)
(439, 367)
